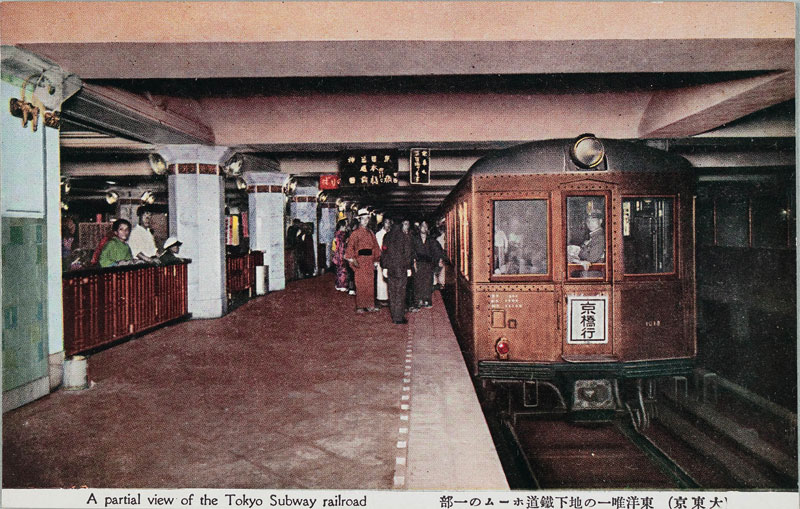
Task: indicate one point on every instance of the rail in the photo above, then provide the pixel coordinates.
(240, 271)
(102, 306)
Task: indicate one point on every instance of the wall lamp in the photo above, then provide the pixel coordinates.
(148, 198)
(290, 186)
(157, 164)
(233, 166)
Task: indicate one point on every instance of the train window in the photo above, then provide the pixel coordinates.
(520, 237)
(648, 235)
(464, 244)
(586, 237)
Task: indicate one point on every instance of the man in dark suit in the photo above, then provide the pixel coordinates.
(397, 260)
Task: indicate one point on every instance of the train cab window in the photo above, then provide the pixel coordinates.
(586, 236)
(648, 235)
(520, 237)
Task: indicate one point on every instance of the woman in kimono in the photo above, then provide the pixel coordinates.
(337, 257)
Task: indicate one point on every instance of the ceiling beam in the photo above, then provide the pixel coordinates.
(693, 110)
(115, 111)
(154, 60)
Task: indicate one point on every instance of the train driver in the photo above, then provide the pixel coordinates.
(593, 250)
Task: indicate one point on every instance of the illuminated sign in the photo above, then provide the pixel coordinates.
(368, 169)
(328, 182)
(419, 169)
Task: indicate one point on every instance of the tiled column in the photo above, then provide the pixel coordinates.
(32, 331)
(266, 203)
(327, 228)
(303, 206)
(197, 218)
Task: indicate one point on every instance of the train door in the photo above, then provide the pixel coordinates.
(587, 296)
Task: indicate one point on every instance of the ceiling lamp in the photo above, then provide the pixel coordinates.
(322, 197)
(241, 185)
(66, 186)
(233, 166)
(157, 164)
(148, 198)
(112, 197)
(64, 206)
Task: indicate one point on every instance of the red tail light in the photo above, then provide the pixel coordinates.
(502, 346)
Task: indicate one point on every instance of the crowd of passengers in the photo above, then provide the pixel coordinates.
(397, 267)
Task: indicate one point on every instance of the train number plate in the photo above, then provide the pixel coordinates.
(587, 319)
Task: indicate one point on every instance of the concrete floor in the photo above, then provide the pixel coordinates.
(291, 390)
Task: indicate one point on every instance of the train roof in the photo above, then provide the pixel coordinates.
(552, 156)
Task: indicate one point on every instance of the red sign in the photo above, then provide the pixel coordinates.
(328, 182)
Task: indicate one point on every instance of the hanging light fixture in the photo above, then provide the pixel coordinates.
(148, 198)
(66, 186)
(112, 197)
(241, 185)
(64, 206)
(157, 164)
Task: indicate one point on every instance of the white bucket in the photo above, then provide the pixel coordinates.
(261, 283)
(75, 378)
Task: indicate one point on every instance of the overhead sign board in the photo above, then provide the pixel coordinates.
(419, 169)
(368, 169)
(329, 181)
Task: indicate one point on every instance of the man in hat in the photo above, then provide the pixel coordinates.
(593, 250)
(362, 253)
(171, 247)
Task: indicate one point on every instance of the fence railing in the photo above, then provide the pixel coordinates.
(105, 305)
(240, 271)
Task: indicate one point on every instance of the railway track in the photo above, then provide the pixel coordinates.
(713, 435)
(726, 436)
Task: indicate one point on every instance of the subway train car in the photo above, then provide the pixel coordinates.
(571, 275)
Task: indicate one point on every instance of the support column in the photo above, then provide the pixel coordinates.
(327, 229)
(266, 204)
(31, 291)
(303, 206)
(197, 218)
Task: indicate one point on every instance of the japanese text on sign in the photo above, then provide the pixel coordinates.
(419, 166)
(328, 182)
(368, 169)
(587, 319)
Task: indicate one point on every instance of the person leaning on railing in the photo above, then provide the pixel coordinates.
(171, 248)
(116, 251)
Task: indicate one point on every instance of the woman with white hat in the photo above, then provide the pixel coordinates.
(171, 247)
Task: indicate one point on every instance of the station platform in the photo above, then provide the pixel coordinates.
(290, 390)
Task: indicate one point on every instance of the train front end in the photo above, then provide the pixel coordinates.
(578, 289)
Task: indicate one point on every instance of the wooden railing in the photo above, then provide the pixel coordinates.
(240, 271)
(105, 305)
